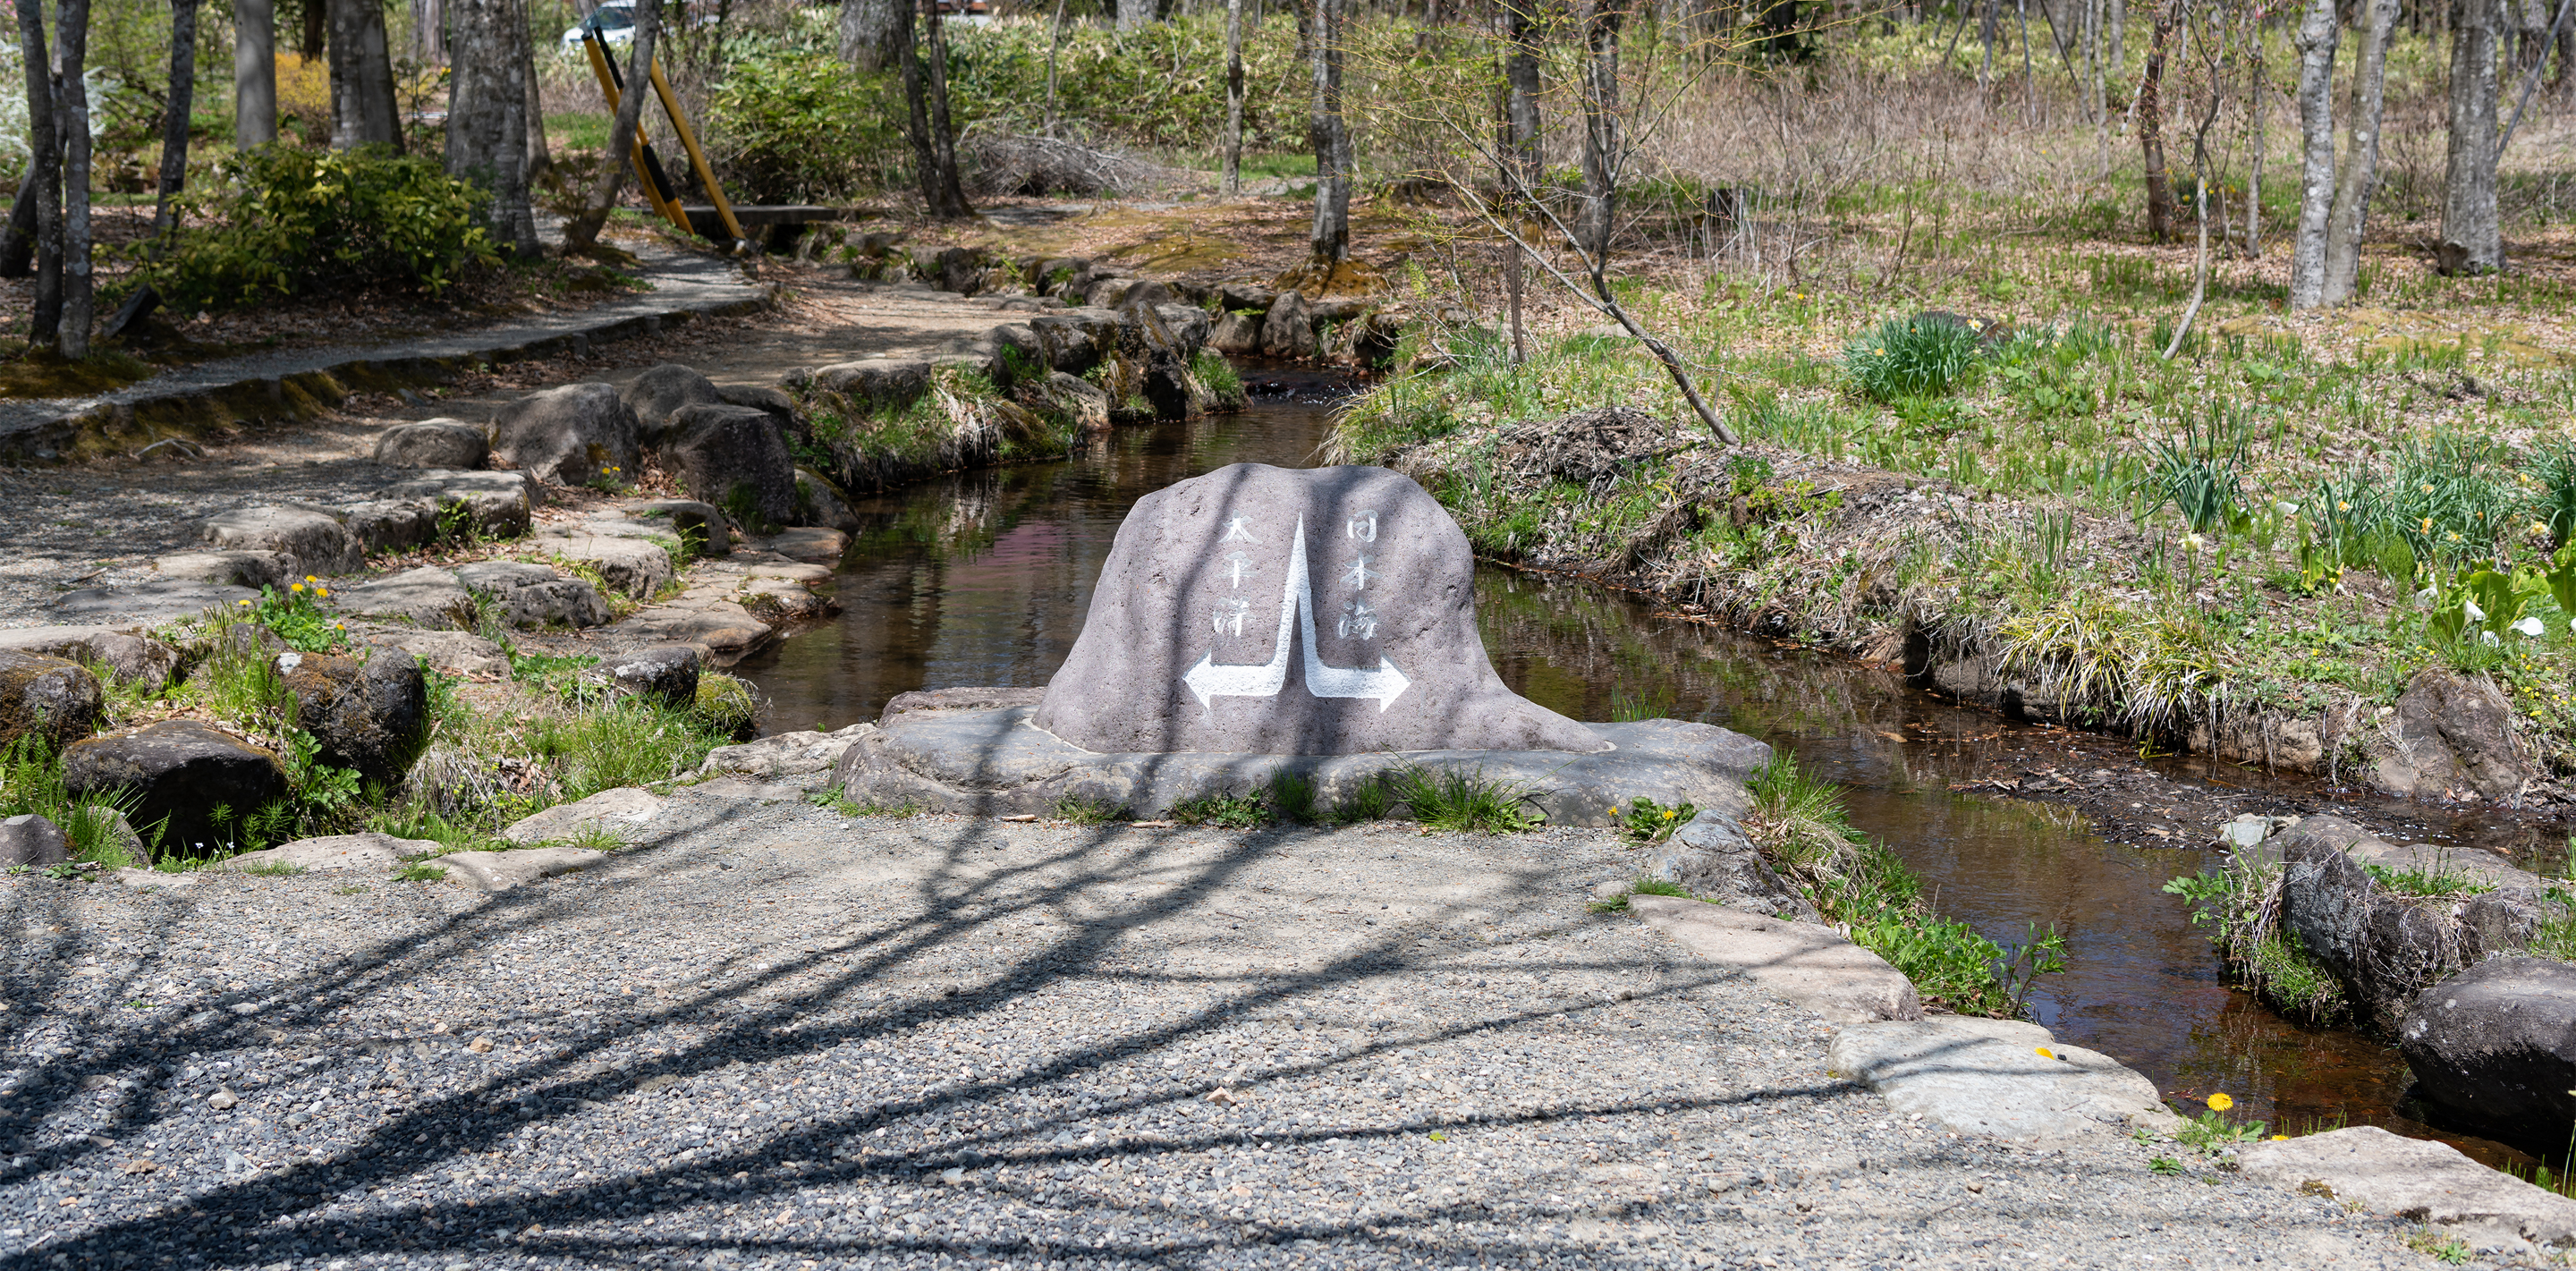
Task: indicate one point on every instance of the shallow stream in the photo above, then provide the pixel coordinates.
(983, 579)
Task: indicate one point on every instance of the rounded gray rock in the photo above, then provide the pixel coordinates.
(53, 698)
(433, 443)
(660, 392)
(371, 717)
(2497, 1042)
(735, 458)
(572, 435)
(1320, 611)
(177, 773)
(32, 840)
(666, 673)
(316, 540)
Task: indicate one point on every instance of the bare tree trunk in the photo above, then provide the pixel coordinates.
(362, 77)
(2317, 36)
(174, 114)
(44, 170)
(487, 126)
(429, 31)
(1521, 86)
(1233, 92)
(2119, 39)
(311, 42)
(1055, 45)
(582, 232)
(1331, 134)
(2360, 176)
(2151, 124)
(2472, 241)
(71, 95)
(2257, 141)
(868, 31)
(254, 73)
(1133, 15)
(1602, 144)
(540, 158)
(950, 201)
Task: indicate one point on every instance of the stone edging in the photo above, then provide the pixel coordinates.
(198, 400)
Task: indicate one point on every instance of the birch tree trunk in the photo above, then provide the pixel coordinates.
(2317, 36)
(1601, 130)
(1055, 45)
(582, 232)
(487, 125)
(44, 170)
(1133, 15)
(1233, 92)
(2472, 241)
(362, 77)
(174, 114)
(1330, 132)
(254, 73)
(2256, 140)
(540, 158)
(2360, 176)
(71, 95)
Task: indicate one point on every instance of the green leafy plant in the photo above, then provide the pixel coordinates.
(1085, 809)
(1223, 811)
(1466, 800)
(281, 220)
(1650, 822)
(1918, 356)
(2200, 474)
(2164, 1165)
(421, 872)
(94, 825)
(296, 617)
(2440, 1246)
(2211, 1130)
(799, 126)
(2435, 879)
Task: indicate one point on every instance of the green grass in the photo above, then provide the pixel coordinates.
(577, 130)
(2434, 880)
(1799, 823)
(421, 872)
(1223, 811)
(1642, 887)
(1081, 809)
(1466, 801)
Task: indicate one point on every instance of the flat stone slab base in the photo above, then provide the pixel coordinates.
(995, 763)
(2428, 1182)
(1805, 962)
(1988, 1076)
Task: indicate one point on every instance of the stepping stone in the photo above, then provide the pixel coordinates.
(1988, 1076)
(619, 810)
(1808, 963)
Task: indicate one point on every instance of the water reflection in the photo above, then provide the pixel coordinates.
(983, 579)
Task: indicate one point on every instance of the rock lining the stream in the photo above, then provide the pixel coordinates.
(2004, 1077)
(996, 762)
(2423, 1181)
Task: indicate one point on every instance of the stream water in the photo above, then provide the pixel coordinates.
(983, 579)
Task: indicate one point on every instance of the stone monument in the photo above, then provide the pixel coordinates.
(1318, 611)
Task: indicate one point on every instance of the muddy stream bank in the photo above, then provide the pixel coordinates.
(983, 579)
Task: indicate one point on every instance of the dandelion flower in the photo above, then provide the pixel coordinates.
(2220, 1102)
(295, 587)
(311, 579)
(2280, 1138)
(2343, 505)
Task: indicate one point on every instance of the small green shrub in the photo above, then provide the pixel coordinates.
(281, 220)
(1218, 376)
(296, 618)
(1920, 356)
(1650, 822)
(1223, 811)
(726, 706)
(802, 127)
(1466, 801)
(1084, 809)
(1291, 797)
(421, 872)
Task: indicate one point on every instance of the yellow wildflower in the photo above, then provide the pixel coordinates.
(295, 587)
(2044, 1052)
(2220, 1102)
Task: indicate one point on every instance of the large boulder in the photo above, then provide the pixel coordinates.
(734, 458)
(493, 504)
(1236, 334)
(2381, 946)
(126, 657)
(633, 565)
(371, 717)
(819, 501)
(53, 698)
(392, 525)
(660, 392)
(1288, 330)
(533, 595)
(662, 673)
(2496, 1043)
(1291, 611)
(178, 773)
(572, 435)
(433, 443)
(314, 540)
(2451, 736)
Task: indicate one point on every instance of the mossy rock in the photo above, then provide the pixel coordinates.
(52, 698)
(727, 705)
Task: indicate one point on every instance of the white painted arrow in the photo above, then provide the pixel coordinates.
(1210, 681)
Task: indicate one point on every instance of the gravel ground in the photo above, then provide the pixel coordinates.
(773, 1036)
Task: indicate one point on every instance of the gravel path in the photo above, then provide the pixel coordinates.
(773, 1036)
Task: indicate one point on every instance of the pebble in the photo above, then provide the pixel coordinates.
(950, 1043)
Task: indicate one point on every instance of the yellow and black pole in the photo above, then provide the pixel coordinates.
(656, 187)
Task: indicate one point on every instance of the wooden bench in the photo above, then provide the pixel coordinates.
(783, 221)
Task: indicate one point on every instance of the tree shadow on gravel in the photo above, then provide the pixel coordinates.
(118, 1057)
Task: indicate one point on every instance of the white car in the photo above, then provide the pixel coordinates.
(613, 19)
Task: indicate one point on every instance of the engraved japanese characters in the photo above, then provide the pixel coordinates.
(1291, 611)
